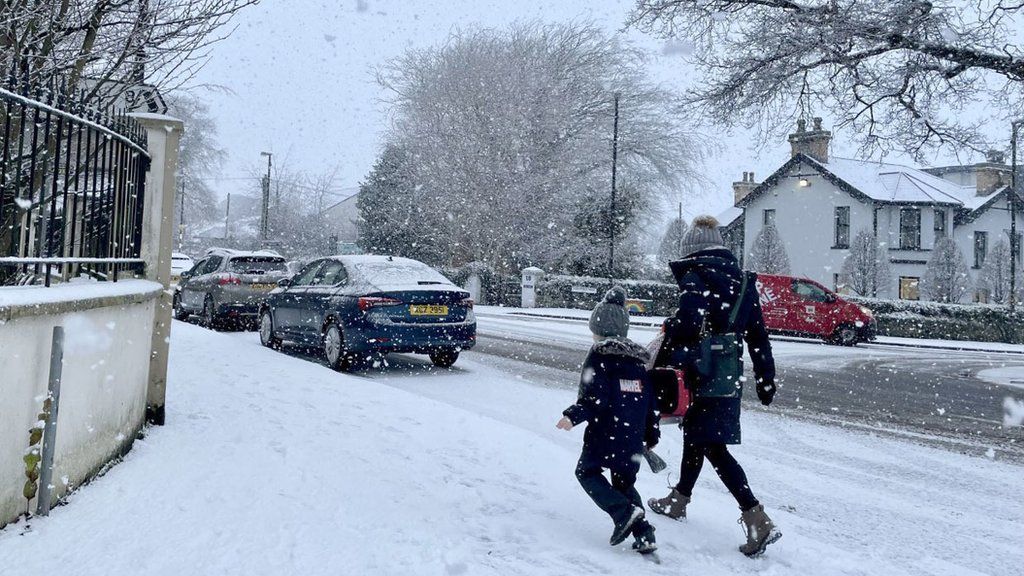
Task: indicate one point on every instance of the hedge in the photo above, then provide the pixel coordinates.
(555, 291)
(915, 319)
(903, 318)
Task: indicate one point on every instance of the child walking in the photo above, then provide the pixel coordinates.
(617, 401)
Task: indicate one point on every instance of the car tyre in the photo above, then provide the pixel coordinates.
(266, 329)
(845, 335)
(444, 358)
(179, 311)
(334, 348)
(210, 319)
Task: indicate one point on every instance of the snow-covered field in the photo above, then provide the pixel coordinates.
(272, 464)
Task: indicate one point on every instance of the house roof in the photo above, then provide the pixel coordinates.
(883, 182)
(729, 216)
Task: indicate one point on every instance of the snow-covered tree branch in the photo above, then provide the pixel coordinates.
(900, 73)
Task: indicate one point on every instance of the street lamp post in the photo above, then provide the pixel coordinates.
(1014, 245)
(265, 208)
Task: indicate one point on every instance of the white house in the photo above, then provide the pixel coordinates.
(818, 203)
(343, 219)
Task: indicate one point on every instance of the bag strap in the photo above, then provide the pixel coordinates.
(739, 300)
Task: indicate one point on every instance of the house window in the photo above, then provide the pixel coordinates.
(769, 216)
(980, 248)
(940, 224)
(909, 288)
(842, 235)
(910, 229)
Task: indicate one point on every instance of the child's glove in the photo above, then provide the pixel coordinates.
(766, 391)
(564, 424)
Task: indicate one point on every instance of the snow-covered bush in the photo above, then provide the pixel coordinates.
(866, 268)
(768, 255)
(994, 278)
(945, 276)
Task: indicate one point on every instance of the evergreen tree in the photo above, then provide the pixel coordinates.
(945, 276)
(397, 216)
(866, 269)
(769, 254)
(994, 277)
(670, 242)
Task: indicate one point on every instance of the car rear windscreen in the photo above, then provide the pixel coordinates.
(398, 273)
(256, 265)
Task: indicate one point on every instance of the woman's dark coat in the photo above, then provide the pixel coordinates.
(709, 281)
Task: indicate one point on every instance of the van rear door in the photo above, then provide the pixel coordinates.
(776, 301)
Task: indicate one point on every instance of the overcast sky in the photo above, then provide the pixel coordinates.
(301, 81)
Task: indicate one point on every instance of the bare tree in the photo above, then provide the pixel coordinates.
(899, 72)
(105, 46)
(768, 255)
(866, 269)
(945, 277)
(199, 158)
(509, 136)
(994, 278)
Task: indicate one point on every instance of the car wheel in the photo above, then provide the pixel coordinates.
(844, 335)
(444, 358)
(210, 319)
(179, 311)
(266, 328)
(334, 348)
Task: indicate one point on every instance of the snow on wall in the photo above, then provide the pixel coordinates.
(103, 388)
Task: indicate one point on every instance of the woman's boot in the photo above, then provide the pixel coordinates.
(760, 531)
(673, 505)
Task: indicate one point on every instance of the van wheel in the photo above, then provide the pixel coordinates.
(444, 358)
(845, 335)
(338, 358)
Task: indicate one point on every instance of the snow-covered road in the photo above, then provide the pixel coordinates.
(273, 464)
(942, 395)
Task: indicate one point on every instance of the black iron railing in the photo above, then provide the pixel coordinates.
(71, 187)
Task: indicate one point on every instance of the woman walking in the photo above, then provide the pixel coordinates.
(718, 310)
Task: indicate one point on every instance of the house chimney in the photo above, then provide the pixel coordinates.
(741, 189)
(813, 143)
(992, 174)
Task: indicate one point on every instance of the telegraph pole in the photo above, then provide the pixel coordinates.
(1014, 245)
(181, 219)
(227, 218)
(265, 211)
(611, 214)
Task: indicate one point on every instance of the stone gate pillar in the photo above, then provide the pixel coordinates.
(163, 134)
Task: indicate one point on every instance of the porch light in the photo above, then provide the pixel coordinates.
(804, 182)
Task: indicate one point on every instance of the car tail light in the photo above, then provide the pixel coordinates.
(467, 302)
(367, 302)
(228, 279)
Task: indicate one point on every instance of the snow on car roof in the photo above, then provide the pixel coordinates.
(393, 273)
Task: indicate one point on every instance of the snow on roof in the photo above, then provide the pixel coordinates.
(887, 182)
(729, 215)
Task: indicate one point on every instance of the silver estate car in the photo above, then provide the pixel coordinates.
(227, 286)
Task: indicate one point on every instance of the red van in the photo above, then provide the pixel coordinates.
(802, 307)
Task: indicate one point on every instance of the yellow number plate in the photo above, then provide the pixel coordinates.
(428, 310)
(264, 287)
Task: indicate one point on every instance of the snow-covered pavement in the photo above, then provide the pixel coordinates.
(272, 464)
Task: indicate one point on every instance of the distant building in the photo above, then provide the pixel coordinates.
(819, 203)
(342, 219)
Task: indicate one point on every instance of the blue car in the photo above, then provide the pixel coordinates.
(357, 306)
